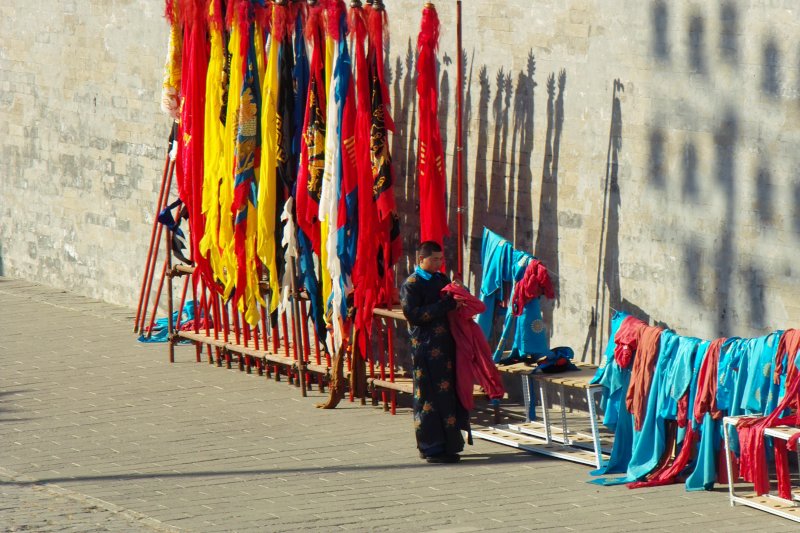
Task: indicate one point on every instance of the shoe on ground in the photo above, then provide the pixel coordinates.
(444, 458)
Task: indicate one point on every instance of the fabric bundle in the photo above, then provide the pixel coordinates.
(677, 390)
(474, 363)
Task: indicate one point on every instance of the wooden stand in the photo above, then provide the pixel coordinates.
(769, 503)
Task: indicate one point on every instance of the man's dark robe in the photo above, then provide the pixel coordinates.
(438, 415)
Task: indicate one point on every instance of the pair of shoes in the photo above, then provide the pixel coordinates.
(444, 458)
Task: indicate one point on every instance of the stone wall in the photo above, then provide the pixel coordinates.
(645, 150)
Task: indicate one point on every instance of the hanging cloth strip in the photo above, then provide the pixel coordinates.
(497, 261)
(642, 374)
(473, 355)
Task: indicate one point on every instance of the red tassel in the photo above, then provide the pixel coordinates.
(335, 11)
(191, 11)
(216, 18)
(357, 21)
(314, 22)
(299, 9)
(243, 18)
(429, 29)
(280, 22)
(230, 12)
(376, 26)
(263, 16)
(170, 11)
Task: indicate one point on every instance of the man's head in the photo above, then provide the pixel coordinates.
(430, 256)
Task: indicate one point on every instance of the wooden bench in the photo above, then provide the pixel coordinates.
(539, 436)
(770, 503)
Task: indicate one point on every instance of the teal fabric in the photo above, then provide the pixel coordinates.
(160, 332)
(615, 381)
(760, 367)
(497, 258)
(704, 472)
(613, 378)
(679, 376)
(424, 274)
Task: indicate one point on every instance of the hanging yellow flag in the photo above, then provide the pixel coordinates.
(267, 173)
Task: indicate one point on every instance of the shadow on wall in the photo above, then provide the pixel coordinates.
(660, 22)
(726, 276)
(501, 181)
(522, 147)
(607, 287)
(546, 247)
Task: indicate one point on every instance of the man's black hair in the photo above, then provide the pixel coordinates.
(428, 248)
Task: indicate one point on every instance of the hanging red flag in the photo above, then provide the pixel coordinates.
(388, 227)
(430, 156)
(365, 272)
(312, 155)
(192, 120)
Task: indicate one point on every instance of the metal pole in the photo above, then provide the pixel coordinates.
(459, 145)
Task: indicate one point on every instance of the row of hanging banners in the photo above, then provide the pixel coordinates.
(283, 161)
(283, 157)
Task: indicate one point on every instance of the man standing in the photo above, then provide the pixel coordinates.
(438, 415)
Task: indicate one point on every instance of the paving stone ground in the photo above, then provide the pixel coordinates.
(101, 433)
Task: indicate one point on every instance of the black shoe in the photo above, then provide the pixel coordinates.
(444, 458)
(422, 455)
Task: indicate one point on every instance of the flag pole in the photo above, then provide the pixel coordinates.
(459, 146)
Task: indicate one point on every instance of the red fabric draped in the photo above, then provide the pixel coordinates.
(788, 345)
(430, 156)
(706, 399)
(474, 363)
(627, 340)
(642, 374)
(535, 282)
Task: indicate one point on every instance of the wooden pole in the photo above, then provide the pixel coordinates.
(296, 323)
(168, 267)
(152, 249)
(151, 272)
(459, 145)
